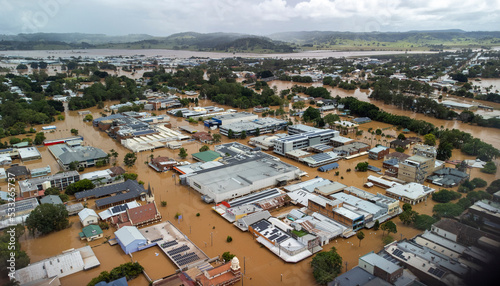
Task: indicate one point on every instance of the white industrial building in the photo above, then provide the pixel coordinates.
(303, 140)
(412, 193)
(240, 178)
(234, 117)
(153, 141)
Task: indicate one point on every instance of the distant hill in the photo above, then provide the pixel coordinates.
(422, 39)
(180, 41)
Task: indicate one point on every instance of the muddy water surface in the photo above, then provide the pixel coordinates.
(209, 230)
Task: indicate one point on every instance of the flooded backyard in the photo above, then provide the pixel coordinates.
(209, 231)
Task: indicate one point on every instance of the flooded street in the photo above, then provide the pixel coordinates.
(209, 230)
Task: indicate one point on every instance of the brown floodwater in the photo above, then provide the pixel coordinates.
(489, 135)
(209, 231)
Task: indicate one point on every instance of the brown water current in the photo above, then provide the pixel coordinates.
(209, 231)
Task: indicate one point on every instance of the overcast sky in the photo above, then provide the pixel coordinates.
(263, 17)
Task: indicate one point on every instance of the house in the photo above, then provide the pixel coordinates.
(378, 152)
(88, 217)
(74, 208)
(203, 137)
(207, 156)
(116, 171)
(18, 172)
(130, 239)
(51, 199)
(405, 144)
(91, 232)
(114, 194)
(162, 164)
(138, 217)
(223, 275)
(3, 175)
(5, 159)
(38, 172)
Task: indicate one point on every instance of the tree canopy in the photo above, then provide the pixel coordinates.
(47, 218)
(79, 186)
(326, 266)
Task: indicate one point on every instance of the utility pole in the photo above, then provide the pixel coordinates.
(244, 266)
(211, 239)
(346, 266)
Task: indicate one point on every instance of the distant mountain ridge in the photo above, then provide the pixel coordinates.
(236, 42)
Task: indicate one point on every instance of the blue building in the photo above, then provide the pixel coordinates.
(130, 239)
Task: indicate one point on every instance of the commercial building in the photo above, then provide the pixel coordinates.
(244, 170)
(374, 212)
(207, 156)
(301, 128)
(256, 126)
(265, 142)
(378, 152)
(405, 144)
(115, 194)
(380, 267)
(51, 199)
(334, 209)
(11, 216)
(223, 275)
(29, 154)
(5, 159)
(412, 193)
(416, 168)
(101, 177)
(234, 117)
(116, 210)
(351, 149)
(274, 236)
(48, 271)
(35, 187)
(341, 141)
(85, 156)
(390, 205)
(303, 140)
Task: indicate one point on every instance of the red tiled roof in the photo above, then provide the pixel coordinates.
(219, 279)
(142, 214)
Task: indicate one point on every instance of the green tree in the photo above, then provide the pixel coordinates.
(331, 118)
(204, 148)
(400, 149)
(74, 131)
(407, 207)
(311, 114)
(298, 105)
(401, 136)
(39, 138)
(444, 196)
(88, 118)
(479, 183)
(130, 176)
(217, 137)
(408, 217)
(243, 134)
(493, 187)
(73, 165)
(376, 226)
(52, 191)
(326, 266)
(79, 186)
(378, 131)
(362, 167)
(423, 222)
(447, 210)
(257, 132)
(389, 226)
(47, 218)
(227, 256)
(430, 139)
(230, 133)
(444, 151)
(229, 238)
(129, 159)
(183, 153)
(489, 168)
(360, 235)
(10, 244)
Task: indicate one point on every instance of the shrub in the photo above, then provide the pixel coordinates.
(444, 196)
(229, 238)
(163, 203)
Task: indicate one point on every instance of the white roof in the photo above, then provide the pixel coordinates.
(128, 234)
(411, 190)
(85, 213)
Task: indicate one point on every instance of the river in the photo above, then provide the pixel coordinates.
(319, 54)
(262, 267)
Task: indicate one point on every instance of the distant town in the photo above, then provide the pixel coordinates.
(156, 170)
